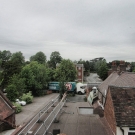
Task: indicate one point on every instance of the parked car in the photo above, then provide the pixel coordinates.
(20, 102)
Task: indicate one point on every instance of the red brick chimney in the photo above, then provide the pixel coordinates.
(122, 66)
(114, 66)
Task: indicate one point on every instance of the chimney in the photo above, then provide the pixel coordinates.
(114, 67)
(122, 66)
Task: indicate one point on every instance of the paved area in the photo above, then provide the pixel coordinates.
(30, 110)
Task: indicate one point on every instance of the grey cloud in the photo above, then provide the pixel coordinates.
(95, 27)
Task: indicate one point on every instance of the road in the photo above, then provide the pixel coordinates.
(92, 78)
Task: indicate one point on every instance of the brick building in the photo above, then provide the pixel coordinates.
(120, 110)
(7, 113)
(80, 72)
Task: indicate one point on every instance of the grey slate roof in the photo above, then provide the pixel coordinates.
(124, 105)
(111, 79)
(125, 79)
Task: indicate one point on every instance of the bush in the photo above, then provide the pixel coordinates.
(18, 107)
(27, 97)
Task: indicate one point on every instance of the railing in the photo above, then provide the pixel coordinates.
(52, 116)
(37, 117)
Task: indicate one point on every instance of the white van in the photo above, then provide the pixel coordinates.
(81, 88)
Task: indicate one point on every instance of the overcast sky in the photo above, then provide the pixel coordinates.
(77, 29)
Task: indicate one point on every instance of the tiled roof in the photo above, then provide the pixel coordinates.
(111, 78)
(125, 79)
(124, 105)
(6, 108)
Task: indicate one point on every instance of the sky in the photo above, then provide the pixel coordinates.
(77, 29)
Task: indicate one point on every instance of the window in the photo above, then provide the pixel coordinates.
(131, 133)
(79, 68)
(131, 128)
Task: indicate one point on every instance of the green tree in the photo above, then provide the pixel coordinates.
(35, 76)
(18, 83)
(40, 57)
(132, 66)
(66, 71)
(54, 59)
(4, 56)
(103, 70)
(50, 74)
(12, 92)
(11, 67)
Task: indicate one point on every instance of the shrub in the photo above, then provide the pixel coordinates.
(18, 107)
(27, 97)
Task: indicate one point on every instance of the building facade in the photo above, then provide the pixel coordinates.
(120, 110)
(80, 72)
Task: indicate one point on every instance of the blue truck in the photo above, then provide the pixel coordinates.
(70, 86)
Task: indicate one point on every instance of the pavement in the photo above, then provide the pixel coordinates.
(30, 110)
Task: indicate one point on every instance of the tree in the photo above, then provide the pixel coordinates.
(4, 57)
(35, 76)
(11, 67)
(66, 71)
(50, 74)
(18, 58)
(18, 83)
(54, 59)
(40, 57)
(132, 66)
(103, 70)
(12, 92)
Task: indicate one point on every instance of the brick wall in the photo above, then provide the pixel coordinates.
(80, 74)
(109, 112)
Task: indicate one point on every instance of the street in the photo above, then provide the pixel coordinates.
(92, 78)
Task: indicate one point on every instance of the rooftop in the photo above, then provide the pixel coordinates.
(124, 105)
(71, 122)
(124, 79)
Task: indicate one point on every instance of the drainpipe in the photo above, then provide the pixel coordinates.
(122, 130)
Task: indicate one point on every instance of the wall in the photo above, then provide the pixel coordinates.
(109, 112)
(79, 69)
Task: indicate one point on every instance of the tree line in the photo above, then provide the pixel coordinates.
(18, 76)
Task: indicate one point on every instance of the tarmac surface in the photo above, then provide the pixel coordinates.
(30, 110)
(72, 121)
